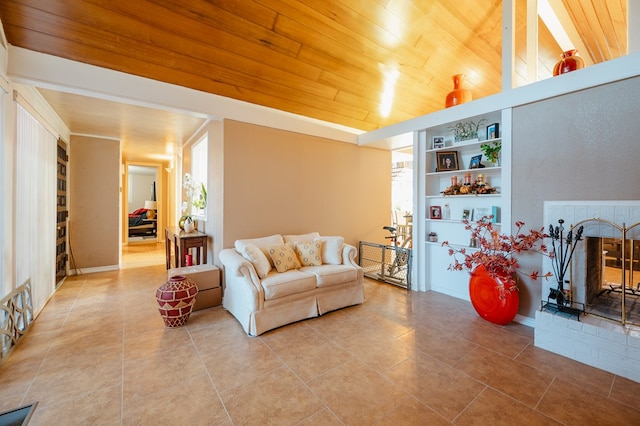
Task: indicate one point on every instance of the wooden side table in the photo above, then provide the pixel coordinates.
(182, 242)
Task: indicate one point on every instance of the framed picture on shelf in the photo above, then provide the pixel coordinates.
(493, 131)
(495, 212)
(466, 214)
(480, 212)
(446, 160)
(435, 212)
(437, 142)
(475, 162)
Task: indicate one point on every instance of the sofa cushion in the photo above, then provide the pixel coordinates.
(260, 262)
(288, 283)
(293, 239)
(284, 257)
(329, 275)
(331, 250)
(262, 243)
(309, 253)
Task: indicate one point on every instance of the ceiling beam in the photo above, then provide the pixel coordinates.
(556, 17)
(508, 44)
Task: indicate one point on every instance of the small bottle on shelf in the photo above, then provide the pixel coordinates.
(446, 212)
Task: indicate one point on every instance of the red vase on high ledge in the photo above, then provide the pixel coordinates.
(459, 94)
(569, 61)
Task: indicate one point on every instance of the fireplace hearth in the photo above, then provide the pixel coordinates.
(605, 276)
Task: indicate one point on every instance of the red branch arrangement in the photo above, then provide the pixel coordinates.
(495, 251)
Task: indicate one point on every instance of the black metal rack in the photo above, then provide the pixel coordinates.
(569, 308)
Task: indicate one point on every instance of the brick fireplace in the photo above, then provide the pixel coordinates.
(597, 338)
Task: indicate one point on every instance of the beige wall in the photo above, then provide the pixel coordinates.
(283, 182)
(94, 195)
(581, 146)
(215, 190)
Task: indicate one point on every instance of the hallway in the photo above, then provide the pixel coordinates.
(138, 255)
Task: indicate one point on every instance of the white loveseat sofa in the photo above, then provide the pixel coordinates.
(263, 294)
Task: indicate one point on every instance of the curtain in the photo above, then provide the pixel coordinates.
(5, 245)
(35, 214)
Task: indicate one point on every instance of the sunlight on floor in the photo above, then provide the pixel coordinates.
(143, 254)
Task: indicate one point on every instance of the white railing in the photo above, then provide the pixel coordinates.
(16, 316)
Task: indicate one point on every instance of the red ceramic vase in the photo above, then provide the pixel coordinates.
(494, 298)
(569, 61)
(176, 298)
(458, 95)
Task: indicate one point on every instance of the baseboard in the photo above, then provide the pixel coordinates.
(94, 270)
(530, 322)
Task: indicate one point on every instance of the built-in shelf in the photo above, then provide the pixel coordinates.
(453, 245)
(497, 194)
(433, 262)
(457, 172)
(464, 144)
(455, 221)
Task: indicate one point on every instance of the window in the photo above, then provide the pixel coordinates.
(199, 175)
(4, 282)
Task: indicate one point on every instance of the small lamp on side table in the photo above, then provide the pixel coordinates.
(151, 207)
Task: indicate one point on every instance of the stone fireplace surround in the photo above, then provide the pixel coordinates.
(597, 342)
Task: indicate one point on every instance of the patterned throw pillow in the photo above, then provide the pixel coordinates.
(284, 258)
(309, 253)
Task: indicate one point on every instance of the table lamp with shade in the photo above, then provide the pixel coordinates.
(151, 207)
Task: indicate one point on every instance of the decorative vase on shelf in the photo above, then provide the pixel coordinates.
(569, 61)
(184, 220)
(176, 298)
(493, 298)
(189, 226)
(458, 95)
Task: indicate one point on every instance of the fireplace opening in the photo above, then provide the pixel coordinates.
(610, 277)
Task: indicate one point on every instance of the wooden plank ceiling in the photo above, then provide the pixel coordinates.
(332, 60)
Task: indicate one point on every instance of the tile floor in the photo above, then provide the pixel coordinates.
(99, 355)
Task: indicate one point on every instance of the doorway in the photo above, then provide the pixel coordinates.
(143, 203)
(402, 192)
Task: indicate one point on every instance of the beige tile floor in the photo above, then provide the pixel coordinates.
(99, 355)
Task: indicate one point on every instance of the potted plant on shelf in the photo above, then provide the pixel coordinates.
(492, 287)
(466, 131)
(492, 151)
